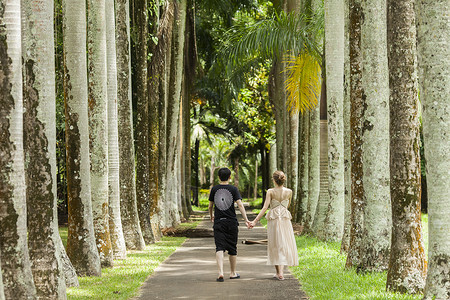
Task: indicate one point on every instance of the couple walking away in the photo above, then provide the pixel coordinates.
(281, 246)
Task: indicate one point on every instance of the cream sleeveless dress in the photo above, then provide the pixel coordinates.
(281, 246)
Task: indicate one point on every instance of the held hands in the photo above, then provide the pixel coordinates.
(251, 224)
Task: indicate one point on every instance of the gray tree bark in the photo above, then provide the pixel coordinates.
(313, 167)
(81, 245)
(347, 148)
(40, 148)
(318, 226)
(433, 25)
(303, 171)
(115, 224)
(98, 127)
(127, 173)
(70, 274)
(407, 270)
(15, 263)
(356, 123)
(173, 114)
(334, 60)
(376, 238)
(140, 23)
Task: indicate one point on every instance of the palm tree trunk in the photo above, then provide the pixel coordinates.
(356, 123)
(140, 22)
(70, 274)
(98, 116)
(407, 271)
(17, 277)
(376, 237)
(40, 148)
(163, 105)
(313, 167)
(303, 169)
(347, 150)
(115, 224)
(173, 112)
(334, 60)
(196, 173)
(433, 60)
(127, 173)
(318, 226)
(81, 245)
(280, 113)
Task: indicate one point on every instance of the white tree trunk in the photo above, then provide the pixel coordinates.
(376, 237)
(334, 59)
(313, 166)
(98, 125)
(173, 114)
(70, 274)
(17, 278)
(347, 147)
(81, 246)
(292, 176)
(115, 224)
(40, 148)
(318, 226)
(303, 168)
(434, 77)
(127, 172)
(407, 266)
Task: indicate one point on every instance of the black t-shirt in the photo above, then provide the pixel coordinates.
(224, 196)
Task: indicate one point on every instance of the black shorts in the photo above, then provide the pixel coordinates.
(226, 235)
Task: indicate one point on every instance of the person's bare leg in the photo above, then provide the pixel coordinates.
(219, 260)
(233, 259)
(277, 268)
(281, 270)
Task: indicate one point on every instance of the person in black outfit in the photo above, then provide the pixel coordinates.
(222, 197)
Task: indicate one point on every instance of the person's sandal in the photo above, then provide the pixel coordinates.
(281, 277)
(220, 279)
(236, 277)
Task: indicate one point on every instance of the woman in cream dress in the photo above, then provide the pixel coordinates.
(281, 246)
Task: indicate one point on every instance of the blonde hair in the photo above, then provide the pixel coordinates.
(279, 177)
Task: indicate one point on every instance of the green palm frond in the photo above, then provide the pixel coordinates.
(303, 82)
(270, 38)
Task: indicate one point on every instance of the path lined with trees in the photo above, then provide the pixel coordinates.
(115, 114)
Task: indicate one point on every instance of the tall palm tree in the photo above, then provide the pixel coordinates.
(98, 116)
(17, 278)
(334, 66)
(40, 148)
(115, 224)
(173, 114)
(81, 245)
(140, 22)
(407, 270)
(434, 67)
(356, 124)
(347, 145)
(375, 243)
(127, 173)
(164, 79)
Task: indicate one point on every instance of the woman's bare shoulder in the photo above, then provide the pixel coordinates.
(288, 190)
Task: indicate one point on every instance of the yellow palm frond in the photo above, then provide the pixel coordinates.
(303, 83)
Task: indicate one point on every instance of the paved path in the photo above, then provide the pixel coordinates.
(190, 272)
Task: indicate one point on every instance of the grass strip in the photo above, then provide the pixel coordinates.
(126, 277)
